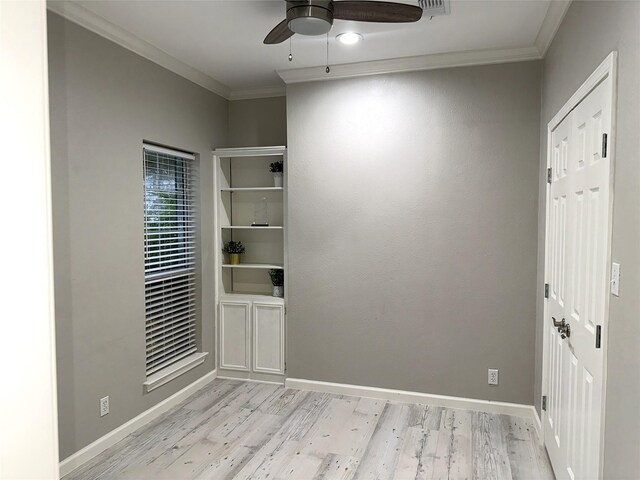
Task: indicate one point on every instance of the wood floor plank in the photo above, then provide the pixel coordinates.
(188, 465)
(300, 466)
(337, 467)
(527, 458)
(206, 397)
(235, 453)
(249, 431)
(417, 457)
(286, 402)
(489, 457)
(453, 451)
(357, 429)
(328, 428)
(264, 397)
(284, 444)
(196, 428)
(383, 451)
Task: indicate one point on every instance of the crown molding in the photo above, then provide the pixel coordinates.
(253, 93)
(95, 23)
(80, 15)
(551, 23)
(409, 64)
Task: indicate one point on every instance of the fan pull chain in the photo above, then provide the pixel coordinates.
(290, 55)
(327, 69)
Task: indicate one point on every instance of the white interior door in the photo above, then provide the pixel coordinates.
(577, 260)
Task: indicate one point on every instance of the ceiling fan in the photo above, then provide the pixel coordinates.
(315, 17)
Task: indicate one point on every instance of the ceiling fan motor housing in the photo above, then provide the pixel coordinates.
(311, 17)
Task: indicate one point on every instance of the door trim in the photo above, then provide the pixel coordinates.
(608, 68)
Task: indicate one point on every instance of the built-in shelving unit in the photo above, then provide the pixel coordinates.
(254, 265)
(250, 227)
(252, 189)
(250, 320)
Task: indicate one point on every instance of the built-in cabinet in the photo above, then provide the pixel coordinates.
(251, 209)
(268, 338)
(252, 336)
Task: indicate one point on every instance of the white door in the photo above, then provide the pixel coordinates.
(268, 338)
(235, 335)
(577, 259)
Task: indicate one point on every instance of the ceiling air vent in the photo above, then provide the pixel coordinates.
(432, 8)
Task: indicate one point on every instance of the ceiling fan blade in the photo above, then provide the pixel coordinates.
(279, 33)
(384, 12)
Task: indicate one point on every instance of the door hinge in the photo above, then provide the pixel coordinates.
(604, 145)
(546, 290)
(598, 336)
(548, 175)
(544, 403)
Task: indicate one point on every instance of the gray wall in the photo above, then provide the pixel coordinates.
(413, 230)
(258, 122)
(589, 32)
(105, 101)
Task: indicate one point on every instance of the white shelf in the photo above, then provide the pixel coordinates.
(253, 189)
(249, 227)
(250, 151)
(254, 265)
(253, 297)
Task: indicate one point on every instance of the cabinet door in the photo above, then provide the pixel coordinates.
(235, 335)
(268, 339)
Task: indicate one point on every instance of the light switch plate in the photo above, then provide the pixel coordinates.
(615, 279)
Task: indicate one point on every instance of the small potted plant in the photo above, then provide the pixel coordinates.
(276, 169)
(277, 280)
(233, 251)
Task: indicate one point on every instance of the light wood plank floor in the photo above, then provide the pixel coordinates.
(241, 430)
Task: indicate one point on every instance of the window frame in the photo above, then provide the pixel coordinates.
(174, 266)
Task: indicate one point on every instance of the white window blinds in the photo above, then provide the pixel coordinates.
(170, 239)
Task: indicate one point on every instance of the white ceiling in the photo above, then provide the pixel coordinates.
(223, 39)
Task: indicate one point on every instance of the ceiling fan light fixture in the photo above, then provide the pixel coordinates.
(309, 26)
(315, 17)
(309, 19)
(349, 38)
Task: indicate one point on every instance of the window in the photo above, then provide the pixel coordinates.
(170, 244)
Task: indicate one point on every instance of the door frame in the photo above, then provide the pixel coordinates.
(608, 68)
(28, 404)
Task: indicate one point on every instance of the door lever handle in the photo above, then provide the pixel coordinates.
(564, 329)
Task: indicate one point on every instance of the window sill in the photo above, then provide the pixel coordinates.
(172, 371)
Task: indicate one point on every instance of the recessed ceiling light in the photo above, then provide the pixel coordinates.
(349, 38)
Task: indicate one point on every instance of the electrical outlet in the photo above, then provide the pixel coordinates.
(493, 376)
(104, 406)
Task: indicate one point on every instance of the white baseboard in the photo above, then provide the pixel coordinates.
(250, 380)
(489, 406)
(79, 458)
